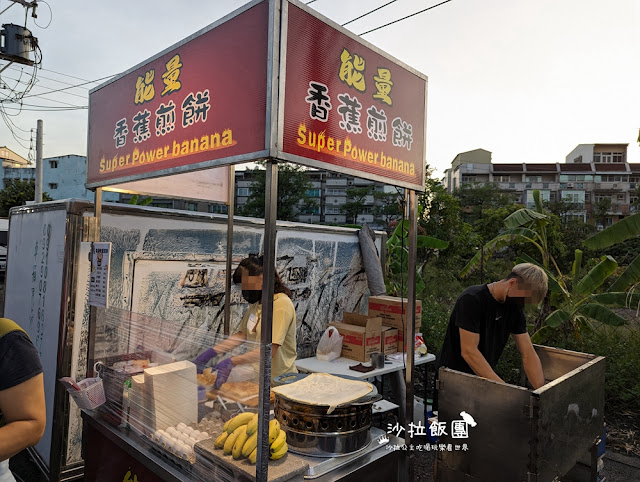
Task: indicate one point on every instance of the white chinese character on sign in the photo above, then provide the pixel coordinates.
(120, 133)
(376, 124)
(141, 126)
(165, 118)
(350, 111)
(402, 133)
(319, 101)
(396, 429)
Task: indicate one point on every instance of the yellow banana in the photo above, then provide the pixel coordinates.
(274, 430)
(252, 426)
(231, 439)
(239, 420)
(250, 444)
(280, 453)
(219, 443)
(280, 440)
(239, 443)
(253, 456)
(226, 425)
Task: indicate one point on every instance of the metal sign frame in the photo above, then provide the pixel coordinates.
(281, 100)
(274, 133)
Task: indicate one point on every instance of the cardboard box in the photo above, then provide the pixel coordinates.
(361, 336)
(390, 308)
(389, 342)
(401, 346)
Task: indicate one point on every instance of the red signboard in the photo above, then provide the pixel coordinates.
(349, 106)
(198, 104)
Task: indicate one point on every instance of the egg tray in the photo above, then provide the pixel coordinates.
(185, 464)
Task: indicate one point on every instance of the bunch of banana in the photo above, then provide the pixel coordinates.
(240, 438)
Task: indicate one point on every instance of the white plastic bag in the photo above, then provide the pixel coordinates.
(330, 345)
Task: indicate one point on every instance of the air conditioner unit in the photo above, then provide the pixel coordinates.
(570, 184)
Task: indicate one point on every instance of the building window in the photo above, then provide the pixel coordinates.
(545, 185)
(502, 178)
(332, 211)
(191, 206)
(313, 192)
(53, 185)
(578, 160)
(244, 191)
(618, 157)
(335, 192)
(53, 164)
(218, 208)
(533, 179)
(575, 197)
(512, 185)
(621, 197)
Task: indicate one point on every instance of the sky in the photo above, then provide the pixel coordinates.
(526, 80)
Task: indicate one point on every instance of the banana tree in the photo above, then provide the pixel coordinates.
(580, 305)
(522, 226)
(398, 258)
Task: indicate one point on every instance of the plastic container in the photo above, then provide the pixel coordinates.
(90, 395)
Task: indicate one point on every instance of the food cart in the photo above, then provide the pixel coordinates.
(272, 81)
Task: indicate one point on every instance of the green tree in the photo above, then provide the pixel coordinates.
(138, 201)
(293, 197)
(600, 209)
(16, 193)
(355, 202)
(388, 207)
(474, 199)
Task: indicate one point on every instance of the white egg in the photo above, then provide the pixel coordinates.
(181, 450)
(192, 441)
(195, 434)
(175, 447)
(156, 435)
(188, 430)
(203, 435)
(172, 431)
(184, 438)
(166, 440)
(181, 426)
(189, 451)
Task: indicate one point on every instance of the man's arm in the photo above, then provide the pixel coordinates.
(24, 410)
(469, 348)
(530, 359)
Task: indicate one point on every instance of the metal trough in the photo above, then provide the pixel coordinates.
(522, 434)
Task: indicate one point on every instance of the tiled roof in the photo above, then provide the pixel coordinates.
(507, 167)
(575, 167)
(541, 168)
(635, 167)
(610, 167)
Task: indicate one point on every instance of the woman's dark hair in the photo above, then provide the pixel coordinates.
(253, 266)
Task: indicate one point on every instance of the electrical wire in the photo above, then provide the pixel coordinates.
(78, 78)
(50, 16)
(50, 78)
(47, 87)
(70, 87)
(311, 2)
(369, 12)
(404, 18)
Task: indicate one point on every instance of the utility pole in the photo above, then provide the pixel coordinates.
(38, 197)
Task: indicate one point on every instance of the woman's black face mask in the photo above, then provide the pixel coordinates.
(252, 296)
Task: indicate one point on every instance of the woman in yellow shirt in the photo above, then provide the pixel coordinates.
(249, 274)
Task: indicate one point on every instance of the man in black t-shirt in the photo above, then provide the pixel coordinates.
(485, 316)
(22, 406)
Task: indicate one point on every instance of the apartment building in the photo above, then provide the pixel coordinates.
(590, 173)
(329, 190)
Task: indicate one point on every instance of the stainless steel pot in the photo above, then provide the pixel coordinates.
(310, 431)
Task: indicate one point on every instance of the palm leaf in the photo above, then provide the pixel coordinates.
(627, 300)
(489, 249)
(526, 232)
(538, 200)
(577, 264)
(630, 276)
(598, 275)
(542, 335)
(602, 314)
(522, 217)
(557, 318)
(431, 242)
(616, 233)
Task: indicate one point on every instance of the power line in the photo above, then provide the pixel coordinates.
(46, 87)
(71, 87)
(368, 13)
(78, 78)
(404, 18)
(18, 69)
(311, 1)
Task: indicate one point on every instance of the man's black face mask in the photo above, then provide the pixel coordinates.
(252, 296)
(516, 300)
